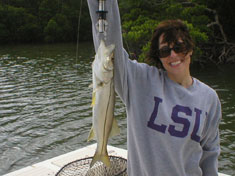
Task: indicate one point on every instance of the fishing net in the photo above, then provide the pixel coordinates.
(82, 168)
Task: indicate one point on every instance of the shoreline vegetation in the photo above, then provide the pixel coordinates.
(211, 24)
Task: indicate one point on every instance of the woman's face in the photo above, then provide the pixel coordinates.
(173, 57)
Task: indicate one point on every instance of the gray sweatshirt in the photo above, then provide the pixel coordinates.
(171, 130)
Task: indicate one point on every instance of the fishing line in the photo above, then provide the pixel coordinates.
(77, 45)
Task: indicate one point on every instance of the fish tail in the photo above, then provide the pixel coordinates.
(99, 157)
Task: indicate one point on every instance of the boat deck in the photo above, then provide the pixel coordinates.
(51, 166)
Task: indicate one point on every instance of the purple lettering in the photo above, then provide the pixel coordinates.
(194, 135)
(180, 120)
(151, 124)
(181, 125)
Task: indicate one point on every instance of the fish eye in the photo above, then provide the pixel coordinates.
(100, 84)
(108, 58)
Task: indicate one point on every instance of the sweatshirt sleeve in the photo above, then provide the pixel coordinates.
(113, 36)
(211, 142)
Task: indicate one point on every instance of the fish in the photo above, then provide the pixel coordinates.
(104, 124)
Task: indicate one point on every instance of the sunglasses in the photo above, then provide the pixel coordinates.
(177, 48)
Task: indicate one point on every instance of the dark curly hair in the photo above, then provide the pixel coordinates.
(172, 30)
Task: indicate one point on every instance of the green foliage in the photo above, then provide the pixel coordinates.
(58, 29)
(138, 33)
(42, 20)
(57, 20)
(51, 31)
(4, 33)
(145, 50)
(29, 28)
(16, 24)
(137, 28)
(174, 11)
(47, 9)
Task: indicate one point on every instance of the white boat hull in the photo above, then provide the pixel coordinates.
(51, 166)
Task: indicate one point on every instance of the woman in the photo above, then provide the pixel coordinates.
(172, 118)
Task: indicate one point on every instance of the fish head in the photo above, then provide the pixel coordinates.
(105, 61)
(108, 63)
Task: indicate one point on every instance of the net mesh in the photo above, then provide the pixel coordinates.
(82, 168)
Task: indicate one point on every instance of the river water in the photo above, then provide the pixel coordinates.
(45, 104)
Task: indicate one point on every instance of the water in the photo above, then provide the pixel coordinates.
(222, 80)
(45, 104)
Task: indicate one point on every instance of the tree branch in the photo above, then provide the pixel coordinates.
(224, 51)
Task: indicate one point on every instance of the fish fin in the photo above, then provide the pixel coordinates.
(91, 134)
(93, 98)
(103, 158)
(115, 129)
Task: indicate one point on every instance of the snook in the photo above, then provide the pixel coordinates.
(103, 100)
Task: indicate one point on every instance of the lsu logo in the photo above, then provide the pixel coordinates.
(171, 128)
